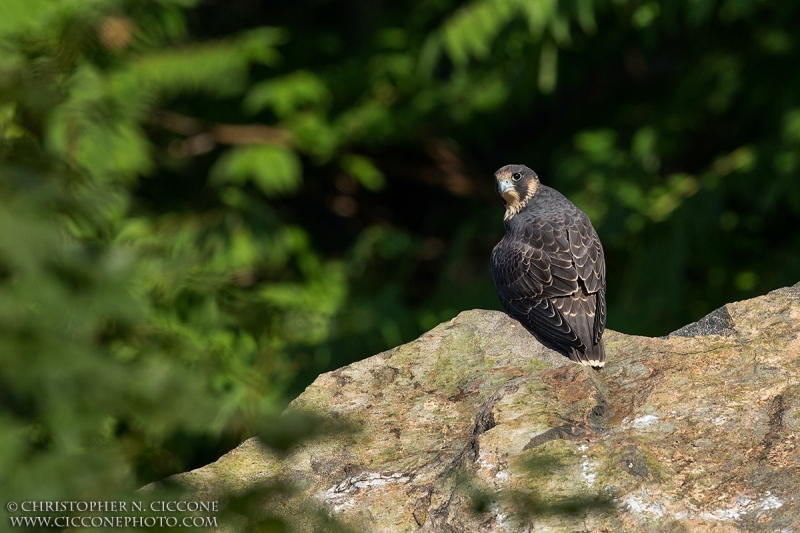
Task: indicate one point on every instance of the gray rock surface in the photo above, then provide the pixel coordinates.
(476, 427)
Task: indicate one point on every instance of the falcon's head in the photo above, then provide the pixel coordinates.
(516, 185)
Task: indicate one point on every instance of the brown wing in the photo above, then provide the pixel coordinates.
(552, 272)
(590, 264)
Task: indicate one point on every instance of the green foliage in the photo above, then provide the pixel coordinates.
(287, 94)
(364, 171)
(204, 205)
(130, 332)
(272, 169)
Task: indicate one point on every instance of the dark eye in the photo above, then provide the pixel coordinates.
(516, 176)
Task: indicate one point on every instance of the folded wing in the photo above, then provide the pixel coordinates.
(551, 278)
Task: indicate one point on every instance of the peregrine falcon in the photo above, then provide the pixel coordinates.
(548, 269)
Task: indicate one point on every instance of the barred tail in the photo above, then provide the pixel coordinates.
(596, 355)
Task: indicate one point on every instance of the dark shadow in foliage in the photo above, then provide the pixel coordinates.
(282, 434)
(525, 505)
(270, 508)
(276, 506)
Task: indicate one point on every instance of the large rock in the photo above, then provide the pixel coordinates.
(697, 431)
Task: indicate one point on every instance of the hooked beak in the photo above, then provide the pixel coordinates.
(503, 187)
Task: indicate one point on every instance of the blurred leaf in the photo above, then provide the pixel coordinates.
(215, 67)
(314, 135)
(272, 169)
(287, 94)
(283, 433)
(364, 171)
(19, 16)
(645, 14)
(258, 45)
(539, 15)
(643, 147)
(548, 67)
(598, 144)
(791, 126)
(740, 159)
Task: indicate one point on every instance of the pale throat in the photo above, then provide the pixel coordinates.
(514, 203)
